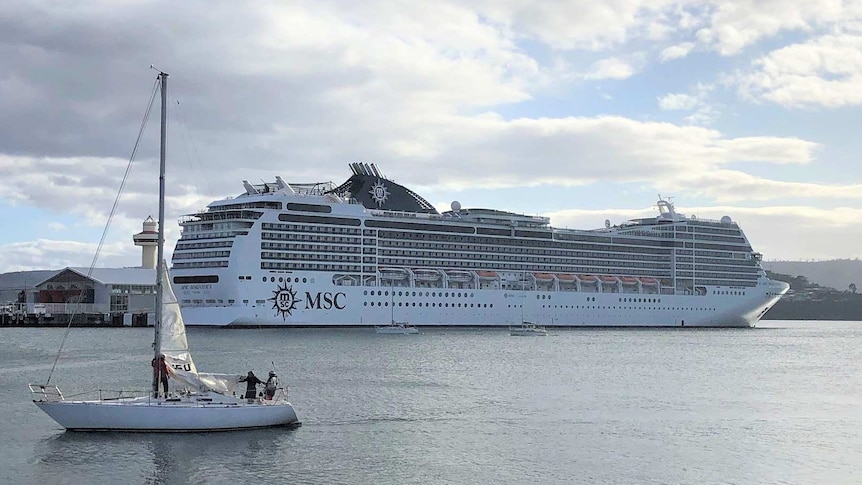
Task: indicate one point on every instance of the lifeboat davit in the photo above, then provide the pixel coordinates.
(649, 281)
(487, 275)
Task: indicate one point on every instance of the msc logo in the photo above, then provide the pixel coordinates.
(285, 301)
(379, 193)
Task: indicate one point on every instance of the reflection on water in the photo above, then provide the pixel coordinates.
(161, 458)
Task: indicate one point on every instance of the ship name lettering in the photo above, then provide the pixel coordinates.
(324, 300)
(196, 287)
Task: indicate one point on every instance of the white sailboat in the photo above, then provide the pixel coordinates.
(395, 328)
(528, 329)
(204, 403)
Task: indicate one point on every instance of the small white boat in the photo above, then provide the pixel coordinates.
(397, 329)
(528, 329)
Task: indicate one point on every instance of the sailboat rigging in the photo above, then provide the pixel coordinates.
(395, 327)
(205, 403)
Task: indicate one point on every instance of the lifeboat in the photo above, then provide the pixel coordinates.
(608, 279)
(345, 280)
(565, 277)
(543, 276)
(459, 275)
(587, 278)
(426, 274)
(392, 274)
(629, 280)
(487, 275)
(649, 281)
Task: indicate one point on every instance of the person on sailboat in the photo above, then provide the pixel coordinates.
(160, 372)
(251, 382)
(270, 386)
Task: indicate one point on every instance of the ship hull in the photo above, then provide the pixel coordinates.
(297, 304)
(159, 415)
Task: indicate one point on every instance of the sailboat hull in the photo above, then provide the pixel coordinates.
(152, 415)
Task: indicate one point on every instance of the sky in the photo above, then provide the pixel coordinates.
(578, 110)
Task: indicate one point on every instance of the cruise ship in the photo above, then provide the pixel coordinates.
(371, 252)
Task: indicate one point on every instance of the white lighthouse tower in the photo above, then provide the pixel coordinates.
(148, 239)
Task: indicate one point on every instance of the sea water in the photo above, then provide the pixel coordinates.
(781, 403)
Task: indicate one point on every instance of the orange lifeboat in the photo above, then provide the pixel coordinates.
(587, 278)
(566, 277)
(608, 279)
(486, 274)
(629, 280)
(649, 281)
(544, 276)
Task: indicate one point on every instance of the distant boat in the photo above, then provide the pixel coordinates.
(528, 329)
(200, 401)
(397, 329)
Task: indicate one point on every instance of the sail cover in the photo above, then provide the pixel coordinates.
(175, 348)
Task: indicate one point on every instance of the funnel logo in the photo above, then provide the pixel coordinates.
(284, 301)
(379, 193)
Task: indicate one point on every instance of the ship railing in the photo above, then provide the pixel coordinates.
(406, 215)
(46, 393)
(49, 393)
(314, 188)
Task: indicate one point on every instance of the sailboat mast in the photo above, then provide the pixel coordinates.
(160, 264)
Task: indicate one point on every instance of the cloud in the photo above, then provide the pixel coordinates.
(676, 51)
(56, 254)
(579, 24)
(704, 113)
(610, 68)
(733, 26)
(729, 186)
(677, 102)
(825, 71)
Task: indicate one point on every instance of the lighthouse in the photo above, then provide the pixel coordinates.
(148, 239)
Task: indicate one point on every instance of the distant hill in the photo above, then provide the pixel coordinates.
(837, 273)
